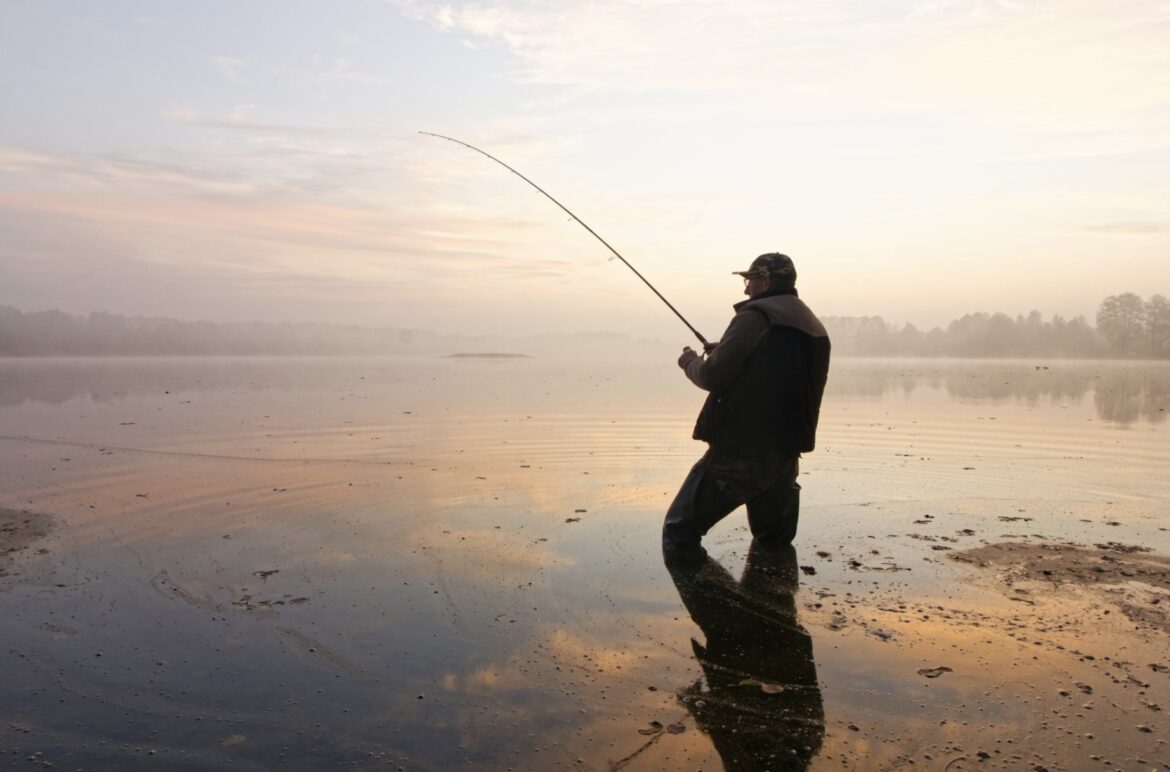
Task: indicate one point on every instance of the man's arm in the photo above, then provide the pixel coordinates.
(718, 370)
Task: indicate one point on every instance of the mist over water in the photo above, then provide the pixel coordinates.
(1121, 392)
(429, 562)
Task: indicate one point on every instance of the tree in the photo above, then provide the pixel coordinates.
(1121, 319)
(1158, 326)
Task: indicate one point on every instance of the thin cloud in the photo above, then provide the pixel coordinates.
(342, 72)
(967, 10)
(241, 118)
(236, 222)
(231, 68)
(1002, 64)
(625, 46)
(318, 69)
(34, 170)
(1130, 229)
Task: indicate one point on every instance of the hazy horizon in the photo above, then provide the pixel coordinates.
(262, 162)
(1128, 327)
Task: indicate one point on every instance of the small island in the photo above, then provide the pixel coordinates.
(487, 355)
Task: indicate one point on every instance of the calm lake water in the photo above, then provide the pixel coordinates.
(439, 563)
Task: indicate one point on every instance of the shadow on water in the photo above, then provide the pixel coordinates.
(761, 704)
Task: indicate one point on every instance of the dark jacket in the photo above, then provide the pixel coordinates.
(769, 401)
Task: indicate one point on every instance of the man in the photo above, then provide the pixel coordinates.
(766, 376)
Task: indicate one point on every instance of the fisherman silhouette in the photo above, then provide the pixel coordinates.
(761, 705)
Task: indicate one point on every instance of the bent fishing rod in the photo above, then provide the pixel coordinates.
(583, 225)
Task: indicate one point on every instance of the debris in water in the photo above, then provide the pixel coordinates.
(654, 728)
(934, 672)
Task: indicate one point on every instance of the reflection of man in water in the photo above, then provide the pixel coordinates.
(765, 376)
(762, 706)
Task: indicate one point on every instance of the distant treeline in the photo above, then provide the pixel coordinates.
(1127, 326)
(53, 333)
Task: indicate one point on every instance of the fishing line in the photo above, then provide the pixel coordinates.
(582, 224)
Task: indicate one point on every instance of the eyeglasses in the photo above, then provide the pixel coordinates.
(749, 279)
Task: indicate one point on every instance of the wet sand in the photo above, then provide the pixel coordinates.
(20, 530)
(430, 564)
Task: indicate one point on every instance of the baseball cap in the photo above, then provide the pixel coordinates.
(771, 264)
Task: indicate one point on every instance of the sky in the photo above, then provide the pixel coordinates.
(918, 159)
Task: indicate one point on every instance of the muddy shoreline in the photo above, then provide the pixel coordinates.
(21, 531)
(1130, 577)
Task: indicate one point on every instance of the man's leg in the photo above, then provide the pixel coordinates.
(773, 514)
(697, 507)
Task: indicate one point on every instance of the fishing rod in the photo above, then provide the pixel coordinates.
(583, 225)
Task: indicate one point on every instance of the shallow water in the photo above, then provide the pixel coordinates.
(430, 563)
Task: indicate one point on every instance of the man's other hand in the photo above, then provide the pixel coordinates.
(688, 356)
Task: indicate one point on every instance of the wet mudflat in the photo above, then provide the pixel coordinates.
(424, 564)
